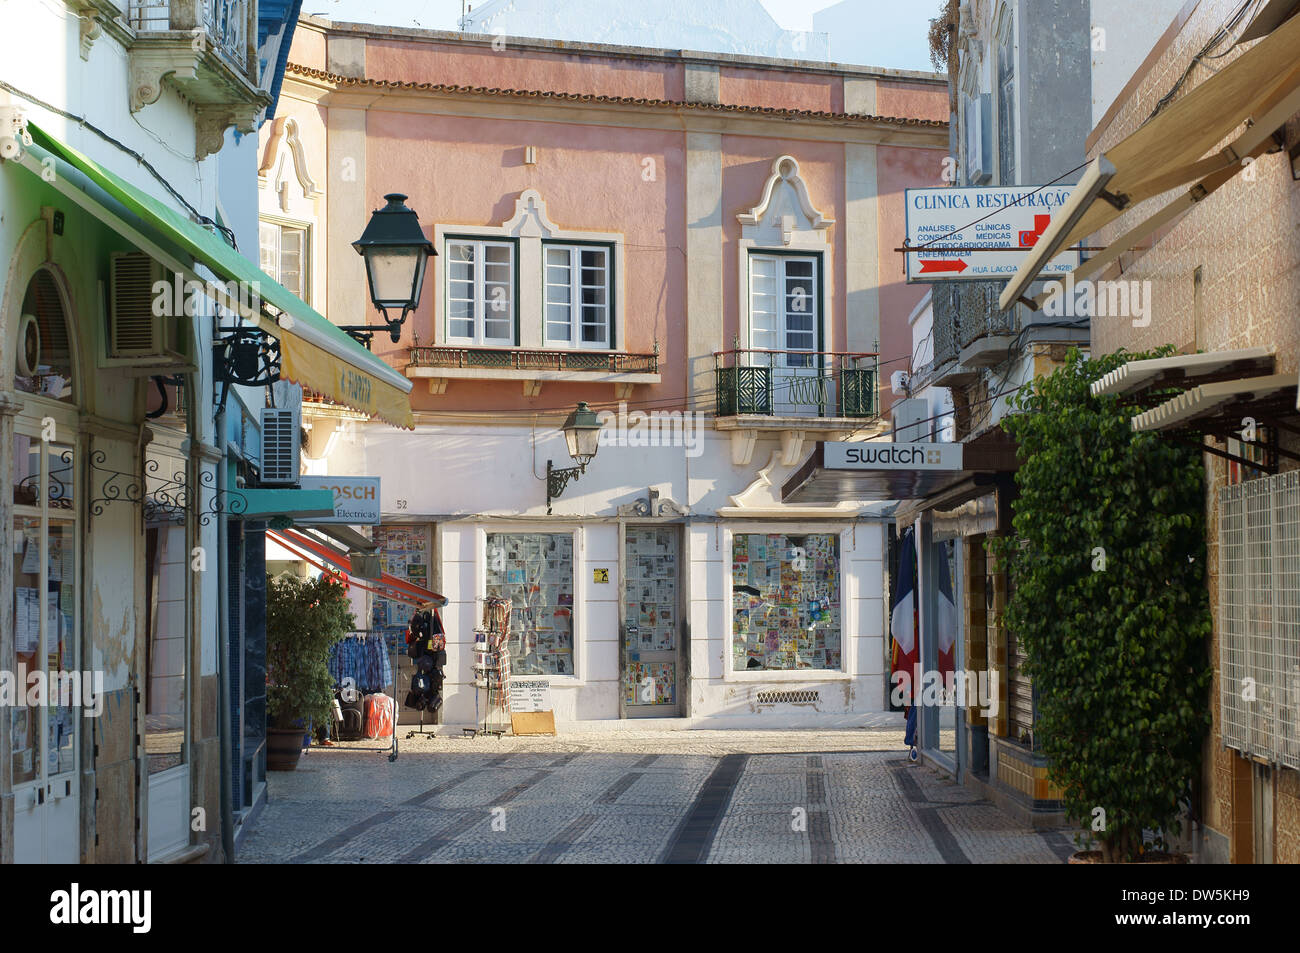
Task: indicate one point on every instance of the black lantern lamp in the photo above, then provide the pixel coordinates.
(396, 254)
(582, 436)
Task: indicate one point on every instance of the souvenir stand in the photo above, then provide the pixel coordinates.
(492, 670)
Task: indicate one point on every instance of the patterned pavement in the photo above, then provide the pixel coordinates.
(635, 797)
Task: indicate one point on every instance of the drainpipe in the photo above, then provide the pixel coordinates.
(223, 643)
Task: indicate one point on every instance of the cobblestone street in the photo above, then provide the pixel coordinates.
(635, 797)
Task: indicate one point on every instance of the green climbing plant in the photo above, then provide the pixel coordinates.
(304, 618)
(1108, 598)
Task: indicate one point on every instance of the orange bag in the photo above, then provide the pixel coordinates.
(379, 716)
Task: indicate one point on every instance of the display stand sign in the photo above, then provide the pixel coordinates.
(531, 709)
(980, 234)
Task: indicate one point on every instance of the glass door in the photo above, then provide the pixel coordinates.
(651, 623)
(45, 723)
(784, 312)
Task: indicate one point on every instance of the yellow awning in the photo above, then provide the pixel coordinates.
(1169, 150)
(313, 352)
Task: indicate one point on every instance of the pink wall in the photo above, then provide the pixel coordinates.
(898, 169)
(523, 69)
(746, 165)
(780, 90)
(462, 171)
(913, 100)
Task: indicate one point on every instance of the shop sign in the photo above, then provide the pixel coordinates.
(878, 455)
(356, 498)
(981, 234)
(530, 695)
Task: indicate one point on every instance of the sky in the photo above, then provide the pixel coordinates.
(893, 32)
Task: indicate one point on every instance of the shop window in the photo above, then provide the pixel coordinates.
(43, 357)
(480, 292)
(535, 572)
(283, 251)
(785, 602)
(44, 541)
(404, 553)
(578, 293)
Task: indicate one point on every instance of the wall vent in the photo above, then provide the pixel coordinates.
(802, 697)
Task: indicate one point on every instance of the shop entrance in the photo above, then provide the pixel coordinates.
(45, 720)
(46, 623)
(651, 622)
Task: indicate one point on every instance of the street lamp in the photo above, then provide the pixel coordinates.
(582, 437)
(396, 253)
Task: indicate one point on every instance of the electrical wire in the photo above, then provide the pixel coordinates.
(121, 146)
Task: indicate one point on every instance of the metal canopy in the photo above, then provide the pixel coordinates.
(984, 460)
(1185, 370)
(1223, 405)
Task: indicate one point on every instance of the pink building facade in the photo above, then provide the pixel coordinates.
(698, 246)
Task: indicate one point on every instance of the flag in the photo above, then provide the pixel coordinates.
(902, 617)
(945, 615)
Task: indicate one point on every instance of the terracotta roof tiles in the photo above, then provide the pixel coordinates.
(338, 80)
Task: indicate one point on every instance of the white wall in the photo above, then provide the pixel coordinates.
(1131, 31)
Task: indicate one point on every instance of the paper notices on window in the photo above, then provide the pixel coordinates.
(27, 619)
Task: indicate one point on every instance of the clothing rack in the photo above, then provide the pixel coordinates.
(362, 656)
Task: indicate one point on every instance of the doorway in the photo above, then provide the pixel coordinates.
(46, 728)
(651, 622)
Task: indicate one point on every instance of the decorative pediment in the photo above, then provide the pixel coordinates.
(530, 219)
(651, 505)
(285, 162)
(784, 210)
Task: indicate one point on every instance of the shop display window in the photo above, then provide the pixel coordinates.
(535, 572)
(785, 593)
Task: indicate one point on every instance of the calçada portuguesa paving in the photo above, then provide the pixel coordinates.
(635, 797)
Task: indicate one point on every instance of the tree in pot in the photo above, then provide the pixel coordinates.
(304, 618)
(1107, 565)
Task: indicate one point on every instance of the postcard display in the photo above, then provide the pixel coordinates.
(535, 572)
(404, 553)
(650, 622)
(785, 601)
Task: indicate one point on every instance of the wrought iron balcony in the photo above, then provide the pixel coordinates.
(207, 50)
(606, 362)
(813, 384)
(440, 364)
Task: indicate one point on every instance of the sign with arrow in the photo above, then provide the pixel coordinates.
(980, 234)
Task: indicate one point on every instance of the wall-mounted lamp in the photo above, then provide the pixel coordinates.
(582, 436)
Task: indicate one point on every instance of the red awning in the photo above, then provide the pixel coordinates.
(388, 586)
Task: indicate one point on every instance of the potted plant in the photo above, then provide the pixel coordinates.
(304, 618)
(1107, 564)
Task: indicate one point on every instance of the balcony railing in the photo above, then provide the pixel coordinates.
(510, 358)
(226, 22)
(965, 312)
(796, 383)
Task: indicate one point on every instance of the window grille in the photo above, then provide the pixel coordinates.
(789, 698)
(1259, 617)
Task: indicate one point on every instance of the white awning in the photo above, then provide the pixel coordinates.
(1209, 400)
(1185, 370)
(1169, 150)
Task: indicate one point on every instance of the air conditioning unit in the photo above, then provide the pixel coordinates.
(138, 340)
(281, 431)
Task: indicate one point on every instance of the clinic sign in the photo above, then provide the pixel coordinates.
(957, 230)
(842, 455)
(356, 498)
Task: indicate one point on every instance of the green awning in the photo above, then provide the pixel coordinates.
(314, 352)
(289, 501)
